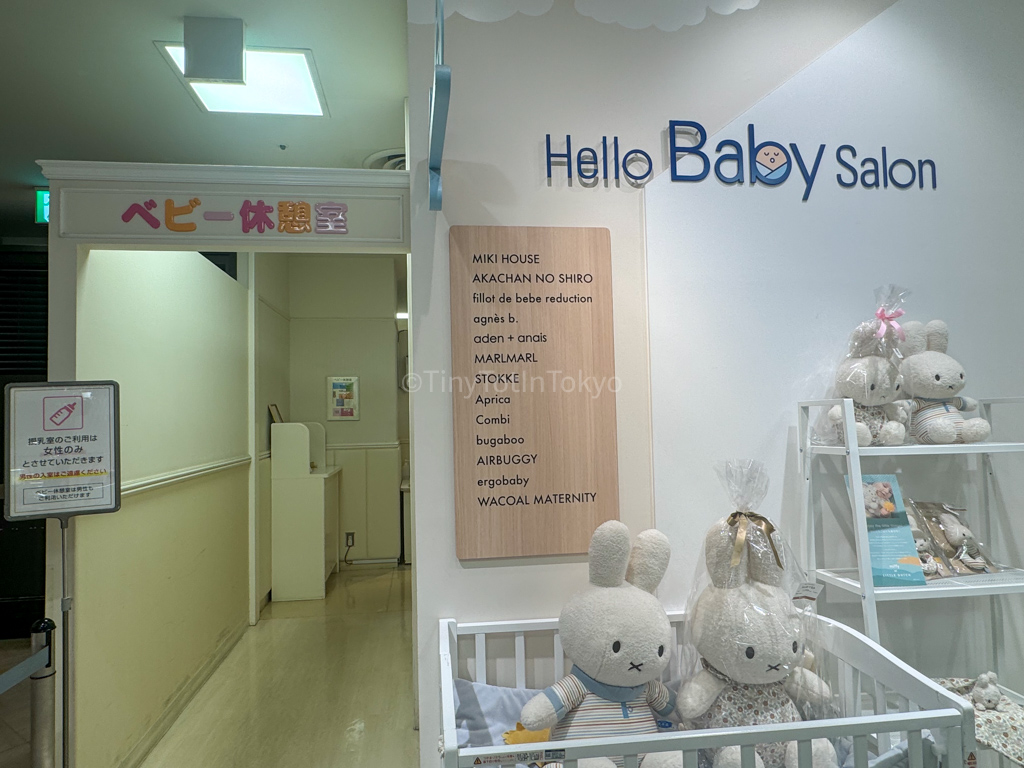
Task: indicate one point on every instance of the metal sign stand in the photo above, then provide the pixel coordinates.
(65, 646)
(63, 448)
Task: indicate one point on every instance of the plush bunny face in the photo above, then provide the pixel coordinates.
(870, 380)
(616, 631)
(618, 636)
(877, 499)
(988, 697)
(927, 370)
(750, 633)
(933, 375)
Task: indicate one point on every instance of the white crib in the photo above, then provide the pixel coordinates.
(881, 702)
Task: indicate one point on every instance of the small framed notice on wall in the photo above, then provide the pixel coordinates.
(342, 398)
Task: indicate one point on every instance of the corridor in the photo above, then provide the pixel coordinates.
(317, 684)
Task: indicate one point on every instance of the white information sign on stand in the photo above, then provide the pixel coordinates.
(63, 453)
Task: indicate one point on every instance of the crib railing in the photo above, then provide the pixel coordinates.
(879, 701)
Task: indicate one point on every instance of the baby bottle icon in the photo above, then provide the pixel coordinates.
(63, 413)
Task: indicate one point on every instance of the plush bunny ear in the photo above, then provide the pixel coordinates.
(864, 341)
(609, 554)
(937, 335)
(648, 560)
(916, 339)
(757, 558)
(762, 566)
(718, 544)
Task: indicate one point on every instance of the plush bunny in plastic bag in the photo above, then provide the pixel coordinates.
(870, 376)
(873, 382)
(619, 637)
(749, 634)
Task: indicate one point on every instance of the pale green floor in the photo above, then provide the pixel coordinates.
(316, 684)
(320, 684)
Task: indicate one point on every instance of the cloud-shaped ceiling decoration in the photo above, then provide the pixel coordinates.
(666, 15)
(481, 10)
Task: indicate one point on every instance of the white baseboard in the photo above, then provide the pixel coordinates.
(181, 698)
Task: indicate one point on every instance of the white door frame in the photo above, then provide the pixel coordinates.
(93, 191)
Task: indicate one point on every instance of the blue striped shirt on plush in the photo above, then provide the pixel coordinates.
(928, 412)
(583, 713)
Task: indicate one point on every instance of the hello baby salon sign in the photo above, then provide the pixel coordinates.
(744, 161)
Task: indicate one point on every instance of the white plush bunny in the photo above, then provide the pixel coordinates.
(872, 381)
(986, 693)
(618, 635)
(963, 545)
(747, 632)
(929, 566)
(934, 379)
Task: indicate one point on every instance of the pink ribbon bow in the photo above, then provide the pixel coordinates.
(888, 320)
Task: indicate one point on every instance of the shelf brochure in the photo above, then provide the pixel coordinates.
(894, 558)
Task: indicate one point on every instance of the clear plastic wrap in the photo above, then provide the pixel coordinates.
(870, 376)
(943, 535)
(751, 640)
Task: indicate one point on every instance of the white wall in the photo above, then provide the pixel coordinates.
(273, 385)
(161, 585)
(515, 81)
(754, 293)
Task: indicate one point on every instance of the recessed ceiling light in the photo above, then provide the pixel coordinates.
(402, 315)
(277, 82)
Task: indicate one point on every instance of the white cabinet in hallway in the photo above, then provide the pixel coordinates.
(371, 499)
(305, 516)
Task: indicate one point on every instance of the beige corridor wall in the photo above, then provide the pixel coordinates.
(343, 324)
(342, 312)
(513, 82)
(161, 585)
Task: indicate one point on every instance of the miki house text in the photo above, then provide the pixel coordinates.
(733, 161)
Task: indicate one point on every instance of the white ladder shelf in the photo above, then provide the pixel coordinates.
(858, 580)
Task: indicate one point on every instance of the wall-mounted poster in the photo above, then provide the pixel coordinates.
(343, 398)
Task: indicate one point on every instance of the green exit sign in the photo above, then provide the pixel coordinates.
(42, 206)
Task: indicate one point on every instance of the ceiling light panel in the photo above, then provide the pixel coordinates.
(276, 83)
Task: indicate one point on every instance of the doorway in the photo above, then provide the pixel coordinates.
(330, 327)
(187, 341)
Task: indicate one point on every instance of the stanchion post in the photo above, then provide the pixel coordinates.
(43, 693)
(65, 648)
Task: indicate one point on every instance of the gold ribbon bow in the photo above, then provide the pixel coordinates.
(743, 520)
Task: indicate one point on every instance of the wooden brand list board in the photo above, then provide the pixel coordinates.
(533, 383)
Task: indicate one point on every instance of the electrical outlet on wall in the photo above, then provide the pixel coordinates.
(350, 538)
